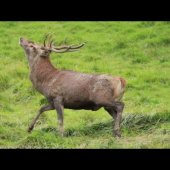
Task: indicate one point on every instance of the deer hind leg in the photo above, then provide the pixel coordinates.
(42, 109)
(59, 108)
(116, 112)
(119, 106)
(111, 111)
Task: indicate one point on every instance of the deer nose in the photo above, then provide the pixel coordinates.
(21, 39)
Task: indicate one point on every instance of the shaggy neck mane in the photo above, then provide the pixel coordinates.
(42, 68)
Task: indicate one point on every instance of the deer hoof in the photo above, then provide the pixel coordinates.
(117, 134)
(29, 130)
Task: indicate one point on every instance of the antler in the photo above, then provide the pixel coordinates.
(66, 48)
(45, 40)
(62, 48)
(48, 37)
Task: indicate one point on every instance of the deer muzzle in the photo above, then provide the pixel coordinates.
(23, 42)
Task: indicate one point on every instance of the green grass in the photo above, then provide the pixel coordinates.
(137, 51)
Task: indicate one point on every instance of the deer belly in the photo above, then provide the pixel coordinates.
(79, 104)
(79, 101)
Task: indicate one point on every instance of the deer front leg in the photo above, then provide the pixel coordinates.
(42, 109)
(59, 108)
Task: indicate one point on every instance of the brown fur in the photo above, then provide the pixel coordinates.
(73, 90)
(123, 81)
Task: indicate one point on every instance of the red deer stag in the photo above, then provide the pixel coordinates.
(69, 89)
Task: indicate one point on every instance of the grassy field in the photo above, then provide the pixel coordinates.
(137, 51)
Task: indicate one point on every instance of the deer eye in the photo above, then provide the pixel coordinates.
(32, 47)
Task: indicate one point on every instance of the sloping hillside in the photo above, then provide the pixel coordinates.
(137, 51)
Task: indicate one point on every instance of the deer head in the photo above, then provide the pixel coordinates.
(34, 50)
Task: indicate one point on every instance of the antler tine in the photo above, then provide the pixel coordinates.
(65, 41)
(79, 46)
(46, 36)
(51, 43)
(65, 48)
(63, 51)
(49, 38)
(69, 47)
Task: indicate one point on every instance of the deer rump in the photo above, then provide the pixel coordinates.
(84, 91)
